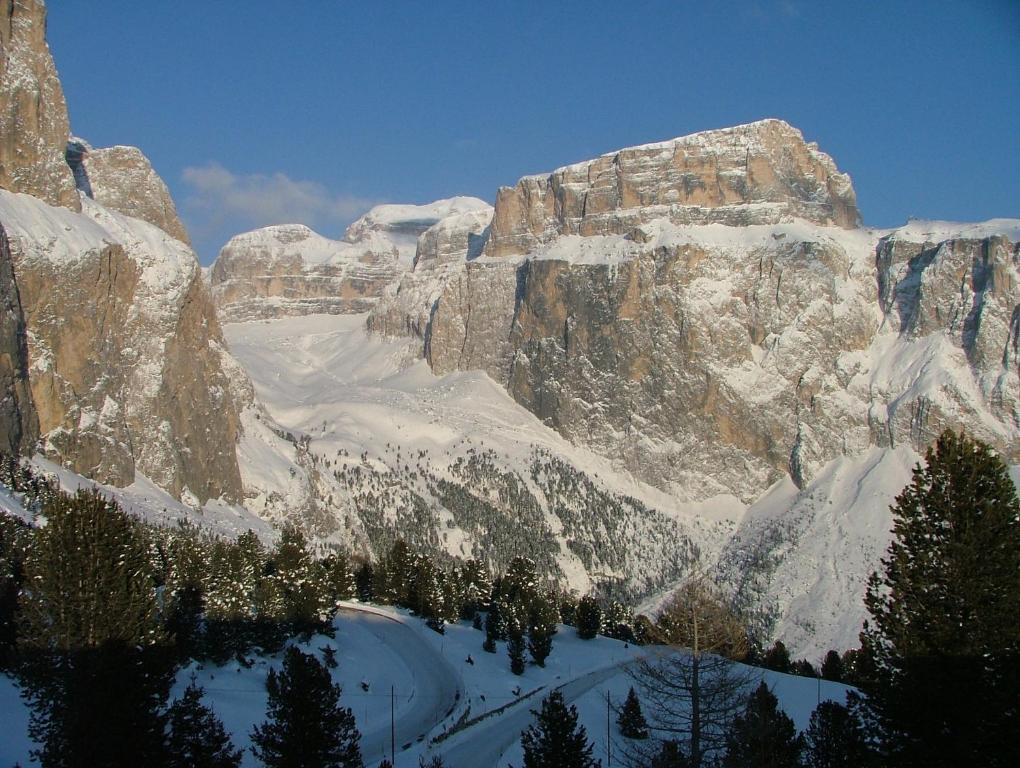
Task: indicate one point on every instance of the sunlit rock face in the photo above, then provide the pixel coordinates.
(33, 114)
(706, 312)
(126, 358)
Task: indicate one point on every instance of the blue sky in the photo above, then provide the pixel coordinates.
(259, 112)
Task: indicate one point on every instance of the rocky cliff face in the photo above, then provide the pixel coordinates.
(760, 173)
(123, 180)
(19, 424)
(33, 114)
(290, 270)
(713, 358)
(125, 351)
(405, 308)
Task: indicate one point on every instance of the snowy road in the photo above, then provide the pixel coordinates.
(436, 689)
(484, 744)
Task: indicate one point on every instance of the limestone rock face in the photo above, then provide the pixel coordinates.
(19, 424)
(33, 114)
(717, 358)
(758, 173)
(290, 270)
(126, 355)
(123, 180)
(405, 308)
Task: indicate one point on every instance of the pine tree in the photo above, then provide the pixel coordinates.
(196, 738)
(670, 755)
(832, 667)
(338, 577)
(631, 720)
(764, 736)
(778, 658)
(836, 739)
(555, 740)
(300, 582)
(945, 641)
(541, 628)
(588, 617)
(515, 650)
(93, 670)
(306, 727)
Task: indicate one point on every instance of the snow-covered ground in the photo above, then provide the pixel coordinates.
(441, 684)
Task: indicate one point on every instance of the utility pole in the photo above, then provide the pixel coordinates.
(393, 727)
(609, 740)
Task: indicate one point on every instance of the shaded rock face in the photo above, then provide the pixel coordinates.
(33, 114)
(405, 308)
(291, 270)
(19, 424)
(758, 173)
(126, 356)
(123, 180)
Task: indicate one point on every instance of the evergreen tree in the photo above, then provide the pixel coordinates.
(836, 739)
(803, 668)
(364, 582)
(778, 658)
(670, 755)
(631, 720)
(832, 667)
(13, 537)
(588, 617)
(338, 578)
(196, 738)
(477, 588)
(515, 650)
(541, 628)
(92, 670)
(300, 583)
(763, 737)
(945, 640)
(306, 727)
(555, 740)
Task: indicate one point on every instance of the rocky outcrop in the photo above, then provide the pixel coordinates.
(405, 308)
(19, 424)
(760, 173)
(125, 351)
(291, 270)
(123, 180)
(33, 114)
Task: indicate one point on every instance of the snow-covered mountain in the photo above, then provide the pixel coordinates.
(681, 352)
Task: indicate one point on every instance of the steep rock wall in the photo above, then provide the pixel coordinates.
(19, 423)
(33, 114)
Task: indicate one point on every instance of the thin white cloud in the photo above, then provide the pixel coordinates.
(221, 200)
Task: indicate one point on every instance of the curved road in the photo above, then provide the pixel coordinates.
(437, 684)
(483, 744)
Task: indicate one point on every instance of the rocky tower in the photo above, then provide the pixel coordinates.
(125, 358)
(33, 115)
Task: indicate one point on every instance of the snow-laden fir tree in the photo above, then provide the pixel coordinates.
(541, 627)
(835, 738)
(588, 618)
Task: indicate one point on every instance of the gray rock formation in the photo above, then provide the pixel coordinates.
(19, 424)
(123, 179)
(760, 173)
(33, 114)
(125, 350)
